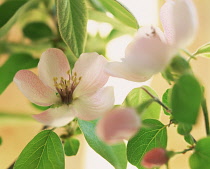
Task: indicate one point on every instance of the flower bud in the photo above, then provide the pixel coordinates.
(118, 124)
(155, 158)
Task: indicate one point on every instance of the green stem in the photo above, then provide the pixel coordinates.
(184, 151)
(194, 140)
(206, 116)
(157, 100)
(188, 54)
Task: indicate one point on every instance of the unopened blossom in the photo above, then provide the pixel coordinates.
(151, 50)
(117, 125)
(155, 158)
(79, 93)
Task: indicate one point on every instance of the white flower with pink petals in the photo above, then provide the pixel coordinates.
(146, 55)
(117, 125)
(151, 50)
(79, 93)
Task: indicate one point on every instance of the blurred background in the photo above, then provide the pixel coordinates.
(16, 126)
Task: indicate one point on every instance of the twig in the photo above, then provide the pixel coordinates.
(206, 116)
(157, 100)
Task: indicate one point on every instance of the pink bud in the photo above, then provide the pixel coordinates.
(180, 22)
(155, 158)
(118, 124)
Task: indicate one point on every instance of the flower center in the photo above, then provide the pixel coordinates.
(66, 88)
(152, 32)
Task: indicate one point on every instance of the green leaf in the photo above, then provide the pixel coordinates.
(15, 62)
(115, 154)
(71, 146)
(40, 107)
(37, 31)
(118, 11)
(8, 9)
(203, 50)
(186, 99)
(177, 68)
(152, 135)
(184, 129)
(179, 65)
(72, 22)
(200, 159)
(14, 10)
(189, 139)
(166, 100)
(139, 99)
(0, 140)
(44, 151)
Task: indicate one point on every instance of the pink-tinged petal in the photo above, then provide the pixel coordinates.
(93, 105)
(34, 89)
(147, 54)
(118, 124)
(53, 64)
(155, 158)
(122, 70)
(56, 117)
(90, 67)
(180, 22)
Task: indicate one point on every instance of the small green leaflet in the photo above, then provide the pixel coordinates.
(203, 50)
(189, 139)
(71, 146)
(166, 100)
(118, 11)
(139, 99)
(0, 140)
(16, 62)
(152, 135)
(20, 8)
(44, 151)
(177, 68)
(30, 31)
(200, 159)
(72, 23)
(186, 98)
(115, 154)
(184, 129)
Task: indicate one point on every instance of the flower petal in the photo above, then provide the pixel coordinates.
(53, 64)
(180, 22)
(122, 70)
(34, 89)
(146, 55)
(92, 106)
(90, 66)
(118, 124)
(56, 117)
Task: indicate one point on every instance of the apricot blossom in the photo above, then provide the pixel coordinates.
(79, 93)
